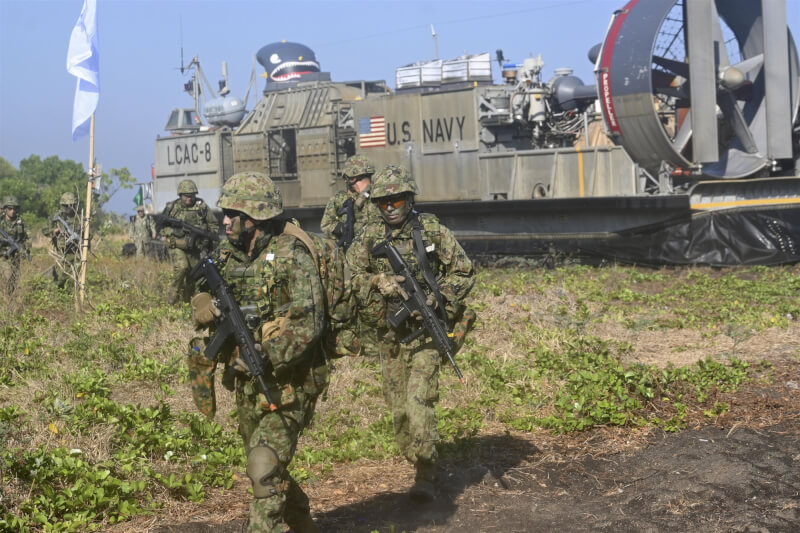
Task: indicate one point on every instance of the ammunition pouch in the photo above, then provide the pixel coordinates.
(201, 377)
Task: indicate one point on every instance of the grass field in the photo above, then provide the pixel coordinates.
(99, 426)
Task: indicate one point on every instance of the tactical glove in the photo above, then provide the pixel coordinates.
(389, 285)
(204, 310)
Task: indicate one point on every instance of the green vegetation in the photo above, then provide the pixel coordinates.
(97, 428)
(39, 183)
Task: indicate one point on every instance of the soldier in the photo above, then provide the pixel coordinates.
(12, 224)
(274, 278)
(410, 372)
(336, 224)
(184, 253)
(65, 240)
(142, 230)
(339, 225)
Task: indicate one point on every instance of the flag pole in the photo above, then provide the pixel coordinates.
(87, 216)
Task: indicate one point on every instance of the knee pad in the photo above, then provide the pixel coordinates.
(262, 469)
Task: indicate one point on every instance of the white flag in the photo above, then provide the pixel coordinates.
(83, 62)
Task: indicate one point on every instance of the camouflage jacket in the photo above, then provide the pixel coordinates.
(448, 261)
(199, 215)
(16, 230)
(332, 221)
(280, 288)
(60, 241)
(142, 229)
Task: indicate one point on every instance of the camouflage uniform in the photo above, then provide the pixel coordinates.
(142, 230)
(410, 372)
(67, 251)
(334, 217)
(332, 224)
(278, 285)
(15, 228)
(183, 257)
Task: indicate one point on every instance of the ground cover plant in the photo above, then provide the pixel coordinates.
(101, 433)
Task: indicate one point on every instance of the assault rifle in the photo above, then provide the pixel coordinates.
(232, 322)
(192, 231)
(416, 303)
(13, 246)
(348, 226)
(72, 238)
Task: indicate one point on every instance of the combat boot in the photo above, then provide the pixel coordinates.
(424, 489)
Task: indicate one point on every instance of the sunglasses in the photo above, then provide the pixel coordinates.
(396, 203)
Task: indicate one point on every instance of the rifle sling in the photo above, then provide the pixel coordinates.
(424, 264)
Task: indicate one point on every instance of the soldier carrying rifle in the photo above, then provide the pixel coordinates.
(65, 240)
(411, 277)
(184, 246)
(13, 242)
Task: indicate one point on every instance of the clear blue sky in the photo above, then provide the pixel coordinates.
(139, 44)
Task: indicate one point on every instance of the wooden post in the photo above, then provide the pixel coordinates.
(87, 218)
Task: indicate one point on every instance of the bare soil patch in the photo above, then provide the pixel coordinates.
(740, 472)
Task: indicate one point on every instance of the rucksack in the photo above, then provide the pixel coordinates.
(339, 338)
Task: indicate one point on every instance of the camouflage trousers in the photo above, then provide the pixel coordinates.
(287, 504)
(9, 275)
(411, 389)
(180, 286)
(140, 246)
(368, 339)
(68, 266)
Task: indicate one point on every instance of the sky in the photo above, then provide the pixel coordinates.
(140, 55)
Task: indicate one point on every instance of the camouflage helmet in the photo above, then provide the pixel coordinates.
(10, 201)
(252, 193)
(391, 180)
(68, 198)
(357, 165)
(187, 187)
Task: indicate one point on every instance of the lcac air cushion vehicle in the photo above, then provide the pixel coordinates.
(695, 159)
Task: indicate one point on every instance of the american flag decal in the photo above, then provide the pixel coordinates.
(371, 132)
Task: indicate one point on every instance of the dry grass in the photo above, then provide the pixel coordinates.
(511, 325)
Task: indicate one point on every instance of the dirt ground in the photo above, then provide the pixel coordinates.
(740, 472)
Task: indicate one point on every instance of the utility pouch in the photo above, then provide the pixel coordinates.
(182, 243)
(201, 378)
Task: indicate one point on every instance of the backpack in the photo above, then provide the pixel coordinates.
(339, 338)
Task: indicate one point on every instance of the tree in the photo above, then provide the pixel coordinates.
(119, 178)
(39, 184)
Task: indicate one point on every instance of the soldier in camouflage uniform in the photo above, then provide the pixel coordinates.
(275, 280)
(357, 172)
(13, 225)
(183, 253)
(142, 230)
(65, 242)
(410, 372)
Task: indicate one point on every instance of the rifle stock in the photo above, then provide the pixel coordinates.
(432, 325)
(232, 323)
